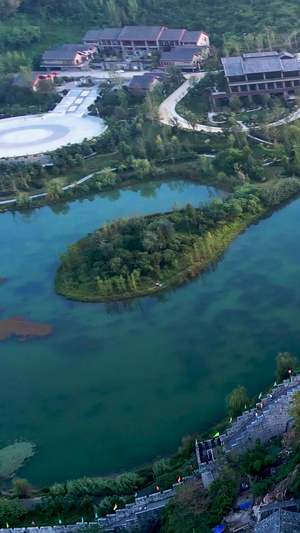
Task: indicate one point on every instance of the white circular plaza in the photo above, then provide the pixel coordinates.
(37, 134)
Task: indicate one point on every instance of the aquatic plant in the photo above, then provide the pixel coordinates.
(23, 328)
(13, 456)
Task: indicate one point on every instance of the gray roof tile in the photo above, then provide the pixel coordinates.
(66, 51)
(92, 35)
(110, 33)
(143, 81)
(260, 54)
(172, 35)
(140, 33)
(191, 37)
(280, 522)
(184, 53)
(258, 63)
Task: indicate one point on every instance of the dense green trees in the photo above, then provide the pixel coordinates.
(195, 509)
(22, 100)
(11, 512)
(128, 256)
(237, 26)
(18, 176)
(255, 461)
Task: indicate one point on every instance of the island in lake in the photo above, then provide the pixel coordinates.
(142, 255)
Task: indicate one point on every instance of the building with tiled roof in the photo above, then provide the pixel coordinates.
(171, 37)
(280, 521)
(71, 56)
(195, 38)
(144, 82)
(262, 73)
(184, 57)
(137, 40)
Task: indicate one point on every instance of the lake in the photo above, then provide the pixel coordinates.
(117, 385)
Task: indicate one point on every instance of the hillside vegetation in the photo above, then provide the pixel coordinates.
(27, 27)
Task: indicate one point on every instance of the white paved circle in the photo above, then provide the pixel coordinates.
(38, 134)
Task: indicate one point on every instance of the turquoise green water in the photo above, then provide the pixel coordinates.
(116, 385)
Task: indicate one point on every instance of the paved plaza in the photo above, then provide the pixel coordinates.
(67, 124)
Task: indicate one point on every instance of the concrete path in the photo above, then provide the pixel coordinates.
(168, 114)
(82, 180)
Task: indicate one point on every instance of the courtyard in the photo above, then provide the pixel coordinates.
(68, 123)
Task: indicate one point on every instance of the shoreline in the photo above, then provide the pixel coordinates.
(190, 263)
(179, 278)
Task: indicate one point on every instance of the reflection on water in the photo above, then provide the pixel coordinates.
(119, 383)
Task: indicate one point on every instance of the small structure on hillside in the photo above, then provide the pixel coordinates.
(32, 79)
(44, 160)
(69, 56)
(145, 82)
(184, 57)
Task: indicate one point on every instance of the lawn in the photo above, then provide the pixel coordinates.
(260, 116)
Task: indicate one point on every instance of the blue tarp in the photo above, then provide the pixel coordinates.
(246, 505)
(219, 529)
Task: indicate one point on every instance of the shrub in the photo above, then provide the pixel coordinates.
(11, 512)
(22, 487)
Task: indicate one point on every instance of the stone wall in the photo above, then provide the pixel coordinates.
(270, 420)
(137, 516)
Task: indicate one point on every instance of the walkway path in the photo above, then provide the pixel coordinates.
(79, 182)
(253, 415)
(169, 115)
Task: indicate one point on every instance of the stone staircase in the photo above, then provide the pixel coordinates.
(140, 515)
(264, 423)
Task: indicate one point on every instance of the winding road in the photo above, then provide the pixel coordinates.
(169, 116)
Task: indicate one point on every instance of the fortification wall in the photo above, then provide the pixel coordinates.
(135, 516)
(270, 418)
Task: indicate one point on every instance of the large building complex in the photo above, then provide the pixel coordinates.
(132, 48)
(261, 73)
(139, 39)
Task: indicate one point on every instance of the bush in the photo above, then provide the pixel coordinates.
(260, 489)
(11, 512)
(285, 362)
(22, 487)
(160, 467)
(255, 461)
